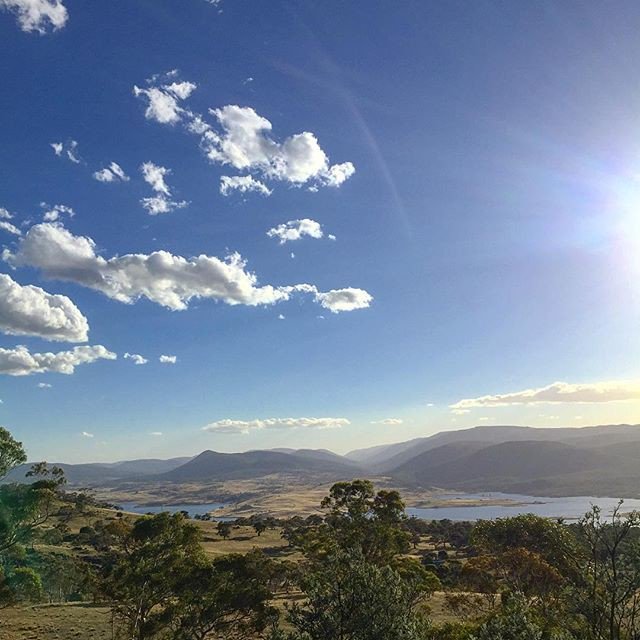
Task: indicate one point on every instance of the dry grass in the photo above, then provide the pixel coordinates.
(56, 622)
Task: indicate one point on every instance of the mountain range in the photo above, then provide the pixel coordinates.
(601, 460)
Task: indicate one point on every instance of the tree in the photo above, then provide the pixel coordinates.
(359, 518)
(224, 529)
(349, 598)
(226, 598)
(12, 453)
(260, 527)
(611, 601)
(26, 585)
(153, 557)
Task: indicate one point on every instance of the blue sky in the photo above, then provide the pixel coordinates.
(473, 170)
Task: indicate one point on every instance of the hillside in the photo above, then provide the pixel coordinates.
(530, 467)
(211, 465)
(100, 473)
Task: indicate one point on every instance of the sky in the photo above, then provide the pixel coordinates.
(239, 224)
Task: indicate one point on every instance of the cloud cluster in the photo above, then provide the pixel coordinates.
(7, 226)
(169, 280)
(37, 15)
(68, 149)
(163, 98)
(295, 230)
(136, 358)
(31, 311)
(348, 299)
(558, 392)
(51, 214)
(243, 141)
(21, 362)
(243, 184)
(113, 173)
(154, 175)
(388, 421)
(241, 138)
(165, 359)
(245, 426)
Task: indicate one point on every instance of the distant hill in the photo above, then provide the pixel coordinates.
(211, 465)
(384, 458)
(101, 473)
(529, 467)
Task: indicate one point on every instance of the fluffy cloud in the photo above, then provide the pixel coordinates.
(156, 434)
(348, 299)
(37, 15)
(169, 280)
(154, 175)
(245, 426)
(85, 434)
(243, 184)
(388, 421)
(558, 392)
(136, 358)
(44, 385)
(20, 362)
(113, 173)
(7, 226)
(51, 214)
(295, 229)
(168, 359)
(244, 143)
(31, 311)
(241, 138)
(163, 99)
(68, 149)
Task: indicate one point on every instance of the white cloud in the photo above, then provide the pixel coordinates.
(243, 184)
(113, 173)
(348, 299)
(10, 228)
(68, 149)
(31, 311)
(154, 175)
(37, 15)
(169, 280)
(295, 230)
(163, 99)
(245, 426)
(244, 143)
(388, 421)
(84, 434)
(559, 392)
(168, 359)
(53, 213)
(156, 434)
(136, 358)
(280, 317)
(44, 385)
(20, 362)
(241, 139)
(161, 204)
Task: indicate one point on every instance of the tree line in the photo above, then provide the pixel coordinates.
(359, 571)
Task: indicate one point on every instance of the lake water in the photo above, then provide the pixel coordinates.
(191, 509)
(572, 508)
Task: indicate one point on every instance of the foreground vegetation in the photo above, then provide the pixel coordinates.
(73, 568)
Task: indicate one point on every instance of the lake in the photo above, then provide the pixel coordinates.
(191, 509)
(571, 508)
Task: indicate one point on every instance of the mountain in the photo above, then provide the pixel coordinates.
(383, 458)
(211, 465)
(535, 467)
(101, 473)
